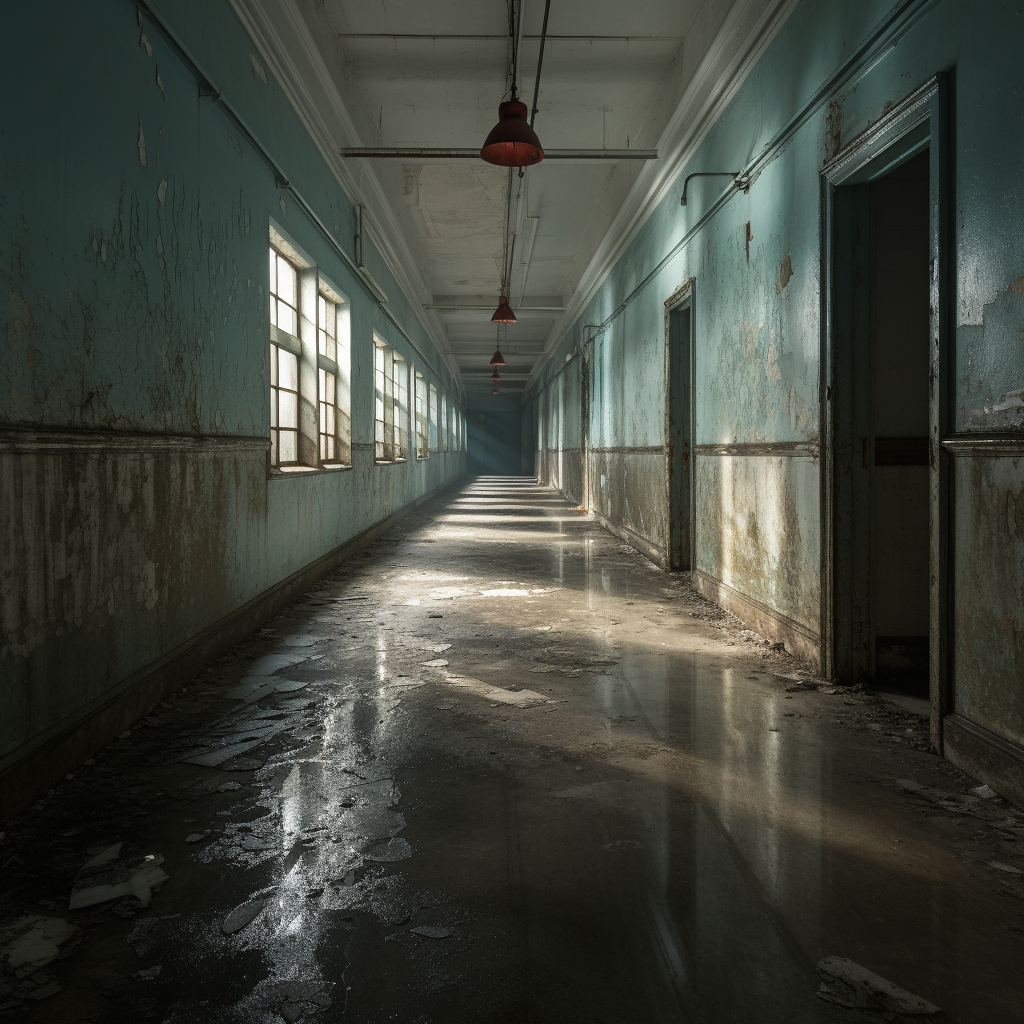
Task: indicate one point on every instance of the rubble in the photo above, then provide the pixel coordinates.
(107, 877)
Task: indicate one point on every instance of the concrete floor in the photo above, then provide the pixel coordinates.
(499, 768)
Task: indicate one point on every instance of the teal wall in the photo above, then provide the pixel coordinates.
(494, 427)
(832, 71)
(134, 407)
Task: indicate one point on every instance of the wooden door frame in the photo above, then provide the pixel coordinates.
(683, 297)
(918, 123)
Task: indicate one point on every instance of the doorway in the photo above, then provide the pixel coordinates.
(679, 426)
(883, 380)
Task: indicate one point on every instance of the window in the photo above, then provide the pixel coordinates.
(432, 421)
(422, 419)
(285, 351)
(391, 404)
(334, 362)
(444, 423)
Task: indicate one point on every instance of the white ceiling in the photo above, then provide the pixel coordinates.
(430, 73)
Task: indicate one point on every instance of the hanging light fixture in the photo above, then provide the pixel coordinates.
(495, 392)
(503, 314)
(496, 378)
(512, 142)
(497, 359)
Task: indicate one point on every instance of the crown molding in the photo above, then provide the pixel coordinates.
(283, 40)
(747, 32)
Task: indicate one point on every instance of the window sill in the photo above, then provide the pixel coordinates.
(389, 462)
(283, 472)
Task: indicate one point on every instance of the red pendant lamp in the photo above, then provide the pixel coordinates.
(512, 142)
(497, 359)
(503, 314)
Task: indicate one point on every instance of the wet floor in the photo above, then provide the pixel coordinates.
(499, 768)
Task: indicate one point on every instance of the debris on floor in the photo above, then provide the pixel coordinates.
(848, 984)
(108, 876)
(34, 941)
(242, 916)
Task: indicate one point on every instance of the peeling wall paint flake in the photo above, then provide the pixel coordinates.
(785, 274)
(142, 145)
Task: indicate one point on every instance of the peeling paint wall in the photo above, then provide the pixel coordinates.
(134, 407)
(756, 268)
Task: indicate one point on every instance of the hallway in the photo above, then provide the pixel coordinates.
(498, 767)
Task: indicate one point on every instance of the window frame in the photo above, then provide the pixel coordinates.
(282, 340)
(390, 404)
(331, 304)
(422, 399)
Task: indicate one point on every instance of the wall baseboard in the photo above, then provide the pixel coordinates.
(985, 755)
(799, 640)
(634, 540)
(31, 770)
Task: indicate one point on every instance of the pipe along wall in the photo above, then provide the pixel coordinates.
(143, 531)
(779, 431)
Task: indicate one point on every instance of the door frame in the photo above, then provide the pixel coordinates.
(682, 298)
(918, 123)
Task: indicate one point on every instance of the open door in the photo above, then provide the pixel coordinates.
(884, 487)
(679, 426)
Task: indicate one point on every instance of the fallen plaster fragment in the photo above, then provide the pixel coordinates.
(36, 941)
(196, 837)
(301, 641)
(848, 984)
(271, 663)
(517, 698)
(909, 785)
(431, 931)
(388, 850)
(436, 663)
(985, 792)
(434, 615)
(228, 787)
(139, 936)
(213, 758)
(242, 916)
(106, 877)
(440, 648)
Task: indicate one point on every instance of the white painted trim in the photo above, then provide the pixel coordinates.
(747, 32)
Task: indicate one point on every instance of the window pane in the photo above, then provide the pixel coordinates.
(286, 319)
(273, 447)
(289, 370)
(273, 271)
(273, 408)
(273, 364)
(288, 446)
(289, 410)
(329, 425)
(286, 281)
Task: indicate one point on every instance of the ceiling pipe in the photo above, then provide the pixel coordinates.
(465, 153)
(737, 179)
(540, 60)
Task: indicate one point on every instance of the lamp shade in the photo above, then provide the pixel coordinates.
(497, 359)
(512, 142)
(503, 314)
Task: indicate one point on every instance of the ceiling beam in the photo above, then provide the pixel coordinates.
(504, 38)
(468, 153)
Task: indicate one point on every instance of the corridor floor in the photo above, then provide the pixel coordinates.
(498, 768)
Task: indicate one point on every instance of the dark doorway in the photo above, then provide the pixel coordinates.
(882, 329)
(899, 428)
(679, 422)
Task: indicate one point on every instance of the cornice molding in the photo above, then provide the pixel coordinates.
(300, 73)
(747, 32)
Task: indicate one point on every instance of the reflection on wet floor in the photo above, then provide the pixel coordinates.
(499, 768)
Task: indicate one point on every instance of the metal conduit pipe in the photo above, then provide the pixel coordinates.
(208, 88)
